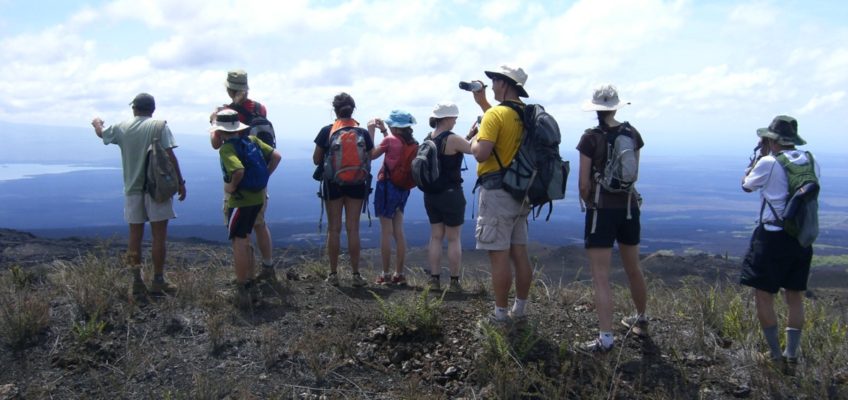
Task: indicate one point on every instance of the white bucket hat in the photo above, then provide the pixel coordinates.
(605, 98)
(514, 74)
(227, 120)
(445, 109)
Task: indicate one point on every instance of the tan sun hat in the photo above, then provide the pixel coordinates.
(605, 98)
(237, 80)
(227, 120)
(445, 109)
(516, 75)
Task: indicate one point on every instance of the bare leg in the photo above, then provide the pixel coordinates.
(352, 209)
(434, 249)
(242, 259)
(599, 262)
(134, 245)
(795, 303)
(523, 270)
(263, 240)
(334, 232)
(386, 233)
(765, 308)
(638, 288)
(454, 248)
(400, 242)
(159, 229)
(501, 276)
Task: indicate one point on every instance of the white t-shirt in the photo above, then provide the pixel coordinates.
(770, 179)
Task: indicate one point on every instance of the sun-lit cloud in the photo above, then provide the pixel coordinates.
(823, 103)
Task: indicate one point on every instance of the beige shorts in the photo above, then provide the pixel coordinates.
(140, 208)
(502, 220)
(260, 219)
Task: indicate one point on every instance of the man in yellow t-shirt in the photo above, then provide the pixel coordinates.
(502, 221)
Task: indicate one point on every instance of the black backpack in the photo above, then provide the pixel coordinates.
(426, 168)
(537, 174)
(260, 126)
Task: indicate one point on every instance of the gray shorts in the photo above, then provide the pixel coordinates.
(502, 220)
(140, 208)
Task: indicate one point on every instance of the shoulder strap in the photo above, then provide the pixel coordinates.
(242, 110)
(159, 129)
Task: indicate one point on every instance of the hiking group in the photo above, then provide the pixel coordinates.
(519, 171)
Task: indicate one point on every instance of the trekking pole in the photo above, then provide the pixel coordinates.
(320, 196)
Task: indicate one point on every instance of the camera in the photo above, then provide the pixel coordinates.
(470, 86)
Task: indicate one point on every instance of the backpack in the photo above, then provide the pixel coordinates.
(260, 126)
(537, 174)
(161, 180)
(425, 166)
(256, 173)
(347, 161)
(621, 169)
(800, 218)
(401, 176)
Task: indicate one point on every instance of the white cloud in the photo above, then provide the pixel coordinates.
(823, 103)
(757, 14)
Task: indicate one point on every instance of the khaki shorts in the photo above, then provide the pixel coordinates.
(140, 208)
(502, 221)
(260, 219)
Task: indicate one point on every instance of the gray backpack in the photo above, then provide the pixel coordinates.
(161, 180)
(622, 168)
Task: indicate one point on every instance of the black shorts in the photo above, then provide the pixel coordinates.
(240, 220)
(446, 208)
(776, 260)
(612, 225)
(333, 191)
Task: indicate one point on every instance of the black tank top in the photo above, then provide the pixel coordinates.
(451, 166)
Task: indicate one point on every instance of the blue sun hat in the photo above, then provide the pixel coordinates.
(400, 119)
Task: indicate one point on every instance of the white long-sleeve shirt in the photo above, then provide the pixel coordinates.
(770, 179)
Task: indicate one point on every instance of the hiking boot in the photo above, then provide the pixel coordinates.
(267, 275)
(638, 326)
(160, 288)
(138, 288)
(455, 286)
(398, 280)
(518, 319)
(382, 280)
(435, 284)
(332, 279)
(357, 281)
(243, 298)
(595, 346)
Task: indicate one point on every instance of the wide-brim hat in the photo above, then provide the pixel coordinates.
(400, 119)
(516, 75)
(783, 129)
(445, 110)
(605, 98)
(237, 80)
(227, 120)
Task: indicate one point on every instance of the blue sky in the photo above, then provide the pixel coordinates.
(700, 75)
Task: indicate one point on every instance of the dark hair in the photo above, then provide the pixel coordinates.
(406, 134)
(343, 105)
(602, 115)
(434, 121)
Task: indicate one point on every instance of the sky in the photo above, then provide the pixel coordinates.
(702, 76)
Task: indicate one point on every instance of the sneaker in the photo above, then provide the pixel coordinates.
(332, 279)
(455, 286)
(267, 275)
(595, 346)
(383, 279)
(398, 280)
(357, 281)
(435, 284)
(161, 288)
(518, 319)
(639, 327)
(491, 321)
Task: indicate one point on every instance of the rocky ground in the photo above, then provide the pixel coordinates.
(311, 340)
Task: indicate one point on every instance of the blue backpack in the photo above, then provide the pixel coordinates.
(255, 167)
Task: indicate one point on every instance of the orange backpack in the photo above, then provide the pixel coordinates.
(347, 161)
(401, 176)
